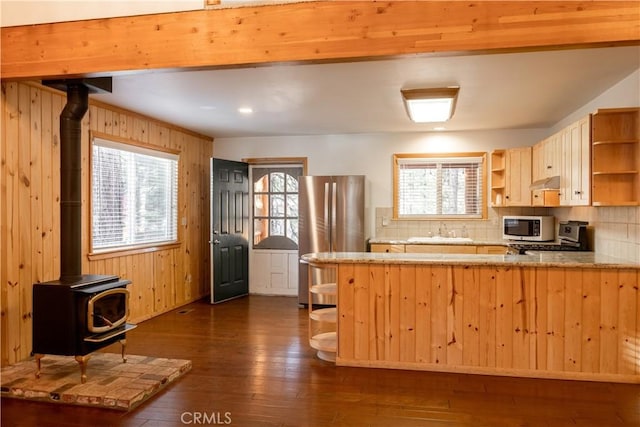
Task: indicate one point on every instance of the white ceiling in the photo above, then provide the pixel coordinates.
(497, 91)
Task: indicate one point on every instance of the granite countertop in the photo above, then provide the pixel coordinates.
(565, 259)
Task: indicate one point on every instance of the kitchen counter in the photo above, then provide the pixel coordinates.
(564, 315)
(563, 259)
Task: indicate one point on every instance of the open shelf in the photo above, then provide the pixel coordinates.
(614, 172)
(324, 289)
(323, 312)
(613, 141)
(616, 157)
(329, 314)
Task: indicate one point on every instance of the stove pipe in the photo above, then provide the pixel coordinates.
(71, 169)
(71, 181)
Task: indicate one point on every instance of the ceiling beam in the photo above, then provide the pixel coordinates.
(309, 31)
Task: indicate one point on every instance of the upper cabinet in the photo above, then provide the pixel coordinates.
(511, 177)
(615, 139)
(575, 171)
(518, 177)
(546, 158)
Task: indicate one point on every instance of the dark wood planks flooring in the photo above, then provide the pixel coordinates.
(252, 366)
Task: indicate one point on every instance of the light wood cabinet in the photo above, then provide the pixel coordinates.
(546, 198)
(518, 177)
(616, 157)
(575, 176)
(440, 249)
(492, 250)
(385, 247)
(546, 158)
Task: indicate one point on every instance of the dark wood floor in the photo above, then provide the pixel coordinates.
(252, 366)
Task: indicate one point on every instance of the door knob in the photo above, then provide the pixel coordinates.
(216, 242)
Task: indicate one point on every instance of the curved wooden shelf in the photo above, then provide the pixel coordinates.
(324, 289)
(329, 315)
(628, 172)
(616, 203)
(326, 342)
(616, 141)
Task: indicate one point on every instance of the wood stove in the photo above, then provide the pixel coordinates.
(79, 317)
(80, 313)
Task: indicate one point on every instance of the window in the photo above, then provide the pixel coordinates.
(275, 207)
(439, 185)
(134, 196)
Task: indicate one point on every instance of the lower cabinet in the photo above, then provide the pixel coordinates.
(441, 249)
(322, 310)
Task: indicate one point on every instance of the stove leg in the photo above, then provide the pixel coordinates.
(123, 343)
(38, 357)
(83, 360)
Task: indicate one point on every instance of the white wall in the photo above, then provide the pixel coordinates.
(625, 93)
(26, 12)
(369, 154)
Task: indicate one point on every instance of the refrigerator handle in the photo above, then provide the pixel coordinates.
(327, 236)
(334, 222)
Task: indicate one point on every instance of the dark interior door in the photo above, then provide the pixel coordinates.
(229, 229)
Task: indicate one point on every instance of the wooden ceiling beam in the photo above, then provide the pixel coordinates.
(309, 32)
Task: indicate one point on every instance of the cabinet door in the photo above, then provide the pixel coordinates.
(551, 156)
(518, 177)
(538, 161)
(575, 177)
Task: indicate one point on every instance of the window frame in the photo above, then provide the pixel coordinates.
(270, 162)
(97, 254)
(420, 157)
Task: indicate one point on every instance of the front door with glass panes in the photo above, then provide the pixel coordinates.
(274, 245)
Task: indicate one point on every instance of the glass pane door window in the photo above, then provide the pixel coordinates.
(275, 207)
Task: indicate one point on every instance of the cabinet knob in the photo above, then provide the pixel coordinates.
(577, 192)
(549, 167)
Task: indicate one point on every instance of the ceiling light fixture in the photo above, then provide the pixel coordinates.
(245, 110)
(430, 105)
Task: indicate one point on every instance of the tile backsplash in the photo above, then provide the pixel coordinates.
(615, 231)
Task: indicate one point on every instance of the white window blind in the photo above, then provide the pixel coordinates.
(134, 196)
(439, 186)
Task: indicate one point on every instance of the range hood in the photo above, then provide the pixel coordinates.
(551, 183)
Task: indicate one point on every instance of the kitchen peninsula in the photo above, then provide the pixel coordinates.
(567, 315)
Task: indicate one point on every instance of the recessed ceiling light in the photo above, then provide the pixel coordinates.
(245, 110)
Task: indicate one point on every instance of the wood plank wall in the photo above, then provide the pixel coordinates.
(30, 212)
(541, 322)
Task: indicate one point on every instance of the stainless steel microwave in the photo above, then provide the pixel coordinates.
(532, 228)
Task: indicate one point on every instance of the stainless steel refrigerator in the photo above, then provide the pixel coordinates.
(331, 219)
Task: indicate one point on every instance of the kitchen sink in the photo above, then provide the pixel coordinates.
(438, 239)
